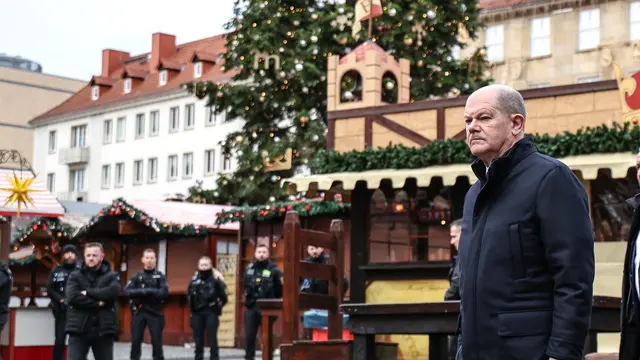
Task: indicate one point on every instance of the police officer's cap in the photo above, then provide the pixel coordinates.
(69, 248)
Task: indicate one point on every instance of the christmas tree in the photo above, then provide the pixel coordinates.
(278, 51)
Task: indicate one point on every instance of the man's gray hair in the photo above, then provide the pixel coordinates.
(456, 223)
(511, 102)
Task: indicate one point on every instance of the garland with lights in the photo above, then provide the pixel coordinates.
(589, 140)
(25, 260)
(121, 209)
(278, 210)
(56, 228)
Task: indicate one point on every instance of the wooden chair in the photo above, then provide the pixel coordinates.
(294, 302)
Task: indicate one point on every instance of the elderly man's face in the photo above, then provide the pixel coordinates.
(490, 132)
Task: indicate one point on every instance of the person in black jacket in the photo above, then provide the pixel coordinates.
(207, 294)
(6, 283)
(91, 297)
(527, 247)
(453, 292)
(56, 286)
(147, 291)
(262, 280)
(315, 286)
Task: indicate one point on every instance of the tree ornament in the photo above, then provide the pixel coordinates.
(419, 30)
(274, 178)
(239, 138)
(299, 67)
(304, 119)
(408, 41)
(431, 14)
(314, 39)
(389, 85)
(420, 63)
(393, 12)
(305, 90)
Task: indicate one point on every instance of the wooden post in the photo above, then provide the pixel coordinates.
(335, 316)
(5, 240)
(291, 286)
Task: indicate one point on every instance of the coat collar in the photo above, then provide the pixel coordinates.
(634, 201)
(501, 166)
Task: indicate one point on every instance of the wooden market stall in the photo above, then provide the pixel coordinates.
(414, 184)
(263, 224)
(23, 195)
(180, 233)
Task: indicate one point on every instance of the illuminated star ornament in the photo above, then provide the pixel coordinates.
(20, 191)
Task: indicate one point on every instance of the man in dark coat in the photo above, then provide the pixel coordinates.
(315, 286)
(526, 251)
(630, 334)
(56, 287)
(453, 292)
(92, 292)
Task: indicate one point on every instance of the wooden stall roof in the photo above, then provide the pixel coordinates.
(44, 203)
(587, 165)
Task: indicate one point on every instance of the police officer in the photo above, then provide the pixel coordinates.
(6, 283)
(207, 295)
(315, 286)
(262, 280)
(56, 286)
(147, 291)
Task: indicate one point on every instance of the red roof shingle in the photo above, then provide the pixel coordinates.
(112, 90)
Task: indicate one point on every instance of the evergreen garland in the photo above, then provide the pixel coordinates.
(55, 227)
(589, 140)
(120, 208)
(279, 210)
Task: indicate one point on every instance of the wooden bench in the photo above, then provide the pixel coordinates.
(293, 302)
(440, 319)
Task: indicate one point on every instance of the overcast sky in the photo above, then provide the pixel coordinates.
(67, 36)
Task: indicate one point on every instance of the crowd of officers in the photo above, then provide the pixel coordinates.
(84, 297)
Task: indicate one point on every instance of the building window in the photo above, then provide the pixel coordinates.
(174, 119)
(589, 29)
(187, 164)
(107, 131)
(79, 136)
(211, 116)
(587, 79)
(455, 52)
(226, 162)
(52, 141)
(154, 128)
(138, 172)
(163, 77)
(495, 43)
(209, 162)
(172, 168)
(119, 175)
(634, 20)
(76, 180)
(197, 69)
(127, 85)
(106, 176)
(540, 37)
(51, 182)
(95, 92)
(189, 116)
(121, 128)
(139, 126)
(152, 170)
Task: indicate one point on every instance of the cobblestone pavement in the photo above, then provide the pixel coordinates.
(121, 352)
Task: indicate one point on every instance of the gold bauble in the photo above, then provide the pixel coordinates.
(343, 41)
(408, 41)
(239, 138)
(420, 63)
(304, 119)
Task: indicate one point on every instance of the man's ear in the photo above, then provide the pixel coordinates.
(517, 122)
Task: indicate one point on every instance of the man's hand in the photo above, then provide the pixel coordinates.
(83, 292)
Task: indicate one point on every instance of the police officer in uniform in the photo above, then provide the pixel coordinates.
(262, 280)
(147, 291)
(207, 294)
(56, 286)
(315, 286)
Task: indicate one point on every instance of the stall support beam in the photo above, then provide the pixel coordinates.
(5, 240)
(360, 200)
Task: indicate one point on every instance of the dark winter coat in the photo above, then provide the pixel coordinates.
(453, 292)
(262, 280)
(84, 313)
(6, 283)
(526, 260)
(315, 286)
(206, 294)
(630, 324)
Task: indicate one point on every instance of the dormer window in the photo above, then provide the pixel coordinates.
(127, 85)
(95, 92)
(197, 69)
(163, 77)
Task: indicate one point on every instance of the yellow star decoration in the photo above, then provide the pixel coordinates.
(20, 189)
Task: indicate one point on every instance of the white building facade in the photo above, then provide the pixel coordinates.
(143, 142)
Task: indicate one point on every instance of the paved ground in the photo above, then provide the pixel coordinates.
(121, 351)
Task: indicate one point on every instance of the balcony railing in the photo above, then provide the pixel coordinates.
(74, 155)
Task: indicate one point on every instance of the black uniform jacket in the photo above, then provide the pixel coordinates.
(526, 260)
(147, 291)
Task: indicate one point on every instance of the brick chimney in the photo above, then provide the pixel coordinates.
(163, 46)
(112, 60)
